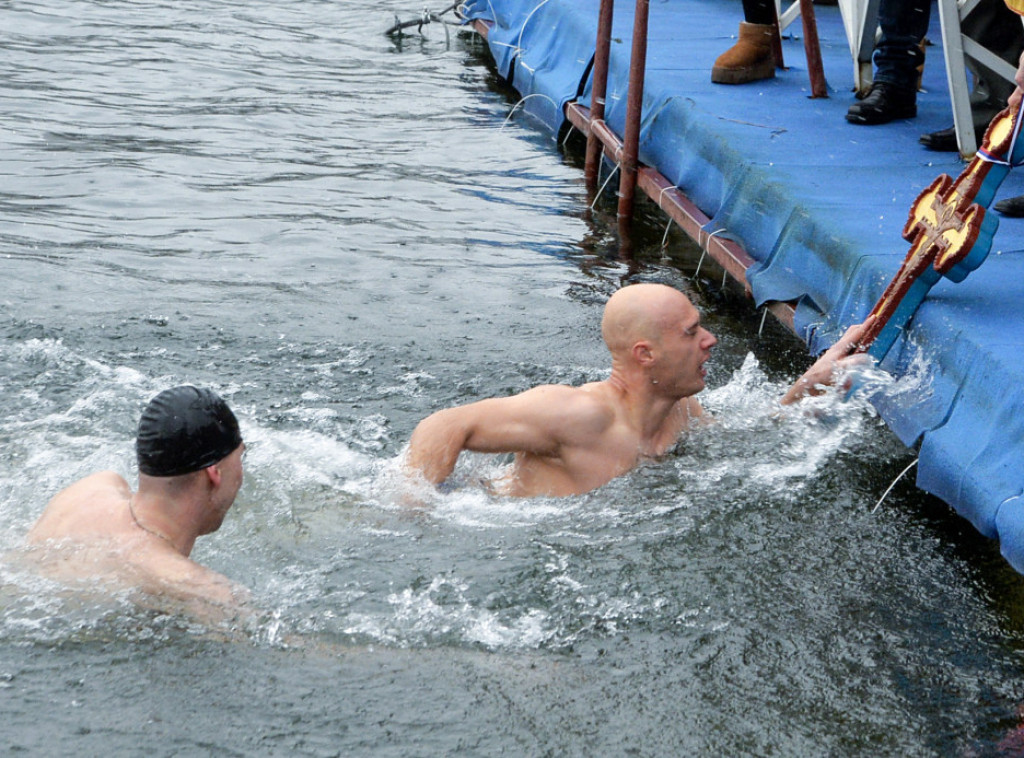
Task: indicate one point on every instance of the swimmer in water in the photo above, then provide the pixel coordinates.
(189, 450)
(570, 440)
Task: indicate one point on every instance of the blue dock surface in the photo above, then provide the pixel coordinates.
(820, 205)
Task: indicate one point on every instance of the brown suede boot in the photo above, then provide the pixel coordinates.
(749, 60)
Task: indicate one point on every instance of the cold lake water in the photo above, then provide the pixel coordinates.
(340, 233)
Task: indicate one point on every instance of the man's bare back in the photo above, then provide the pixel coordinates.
(87, 532)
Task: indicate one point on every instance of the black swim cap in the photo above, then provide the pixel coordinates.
(185, 429)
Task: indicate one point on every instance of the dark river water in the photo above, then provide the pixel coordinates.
(339, 232)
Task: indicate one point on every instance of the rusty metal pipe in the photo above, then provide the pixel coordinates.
(634, 108)
(598, 92)
(728, 254)
(812, 48)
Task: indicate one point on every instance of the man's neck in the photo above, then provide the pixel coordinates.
(163, 520)
(645, 408)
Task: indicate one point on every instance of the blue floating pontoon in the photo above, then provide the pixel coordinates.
(820, 205)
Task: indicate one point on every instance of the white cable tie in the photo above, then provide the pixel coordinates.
(521, 101)
(527, 20)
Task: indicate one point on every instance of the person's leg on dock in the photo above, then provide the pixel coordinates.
(898, 56)
(997, 29)
(751, 58)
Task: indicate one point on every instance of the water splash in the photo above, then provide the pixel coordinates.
(442, 613)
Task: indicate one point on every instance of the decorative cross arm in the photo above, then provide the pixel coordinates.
(949, 231)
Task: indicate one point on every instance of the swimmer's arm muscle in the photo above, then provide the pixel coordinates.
(531, 422)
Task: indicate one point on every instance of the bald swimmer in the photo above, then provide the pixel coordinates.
(189, 451)
(570, 440)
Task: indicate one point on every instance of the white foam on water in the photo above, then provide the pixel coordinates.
(466, 499)
(441, 613)
(411, 384)
(54, 438)
(478, 510)
(755, 445)
(302, 457)
(747, 395)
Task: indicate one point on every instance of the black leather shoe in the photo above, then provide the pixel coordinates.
(943, 140)
(1011, 206)
(883, 103)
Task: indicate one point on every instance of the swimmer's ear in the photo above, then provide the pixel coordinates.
(642, 353)
(213, 472)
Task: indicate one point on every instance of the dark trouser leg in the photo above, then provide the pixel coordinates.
(758, 12)
(897, 56)
(997, 28)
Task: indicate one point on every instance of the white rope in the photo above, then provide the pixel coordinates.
(521, 101)
(703, 245)
(527, 20)
(661, 199)
(664, 237)
(601, 191)
(700, 262)
(894, 481)
(764, 317)
(661, 194)
(505, 44)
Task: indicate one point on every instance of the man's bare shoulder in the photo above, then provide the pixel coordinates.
(157, 578)
(86, 503)
(573, 415)
(588, 409)
(102, 484)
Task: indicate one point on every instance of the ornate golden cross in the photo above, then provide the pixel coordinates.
(949, 232)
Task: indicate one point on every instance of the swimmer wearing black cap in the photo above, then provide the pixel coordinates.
(189, 451)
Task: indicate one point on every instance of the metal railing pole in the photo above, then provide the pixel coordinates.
(599, 89)
(812, 48)
(634, 107)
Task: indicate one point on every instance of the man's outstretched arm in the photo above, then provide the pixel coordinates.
(531, 422)
(436, 443)
(823, 372)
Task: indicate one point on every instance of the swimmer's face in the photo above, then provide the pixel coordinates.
(230, 483)
(682, 348)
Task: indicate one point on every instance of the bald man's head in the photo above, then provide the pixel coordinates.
(641, 312)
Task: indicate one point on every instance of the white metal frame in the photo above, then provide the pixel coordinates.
(956, 47)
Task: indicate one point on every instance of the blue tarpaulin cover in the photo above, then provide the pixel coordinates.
(820, 204)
